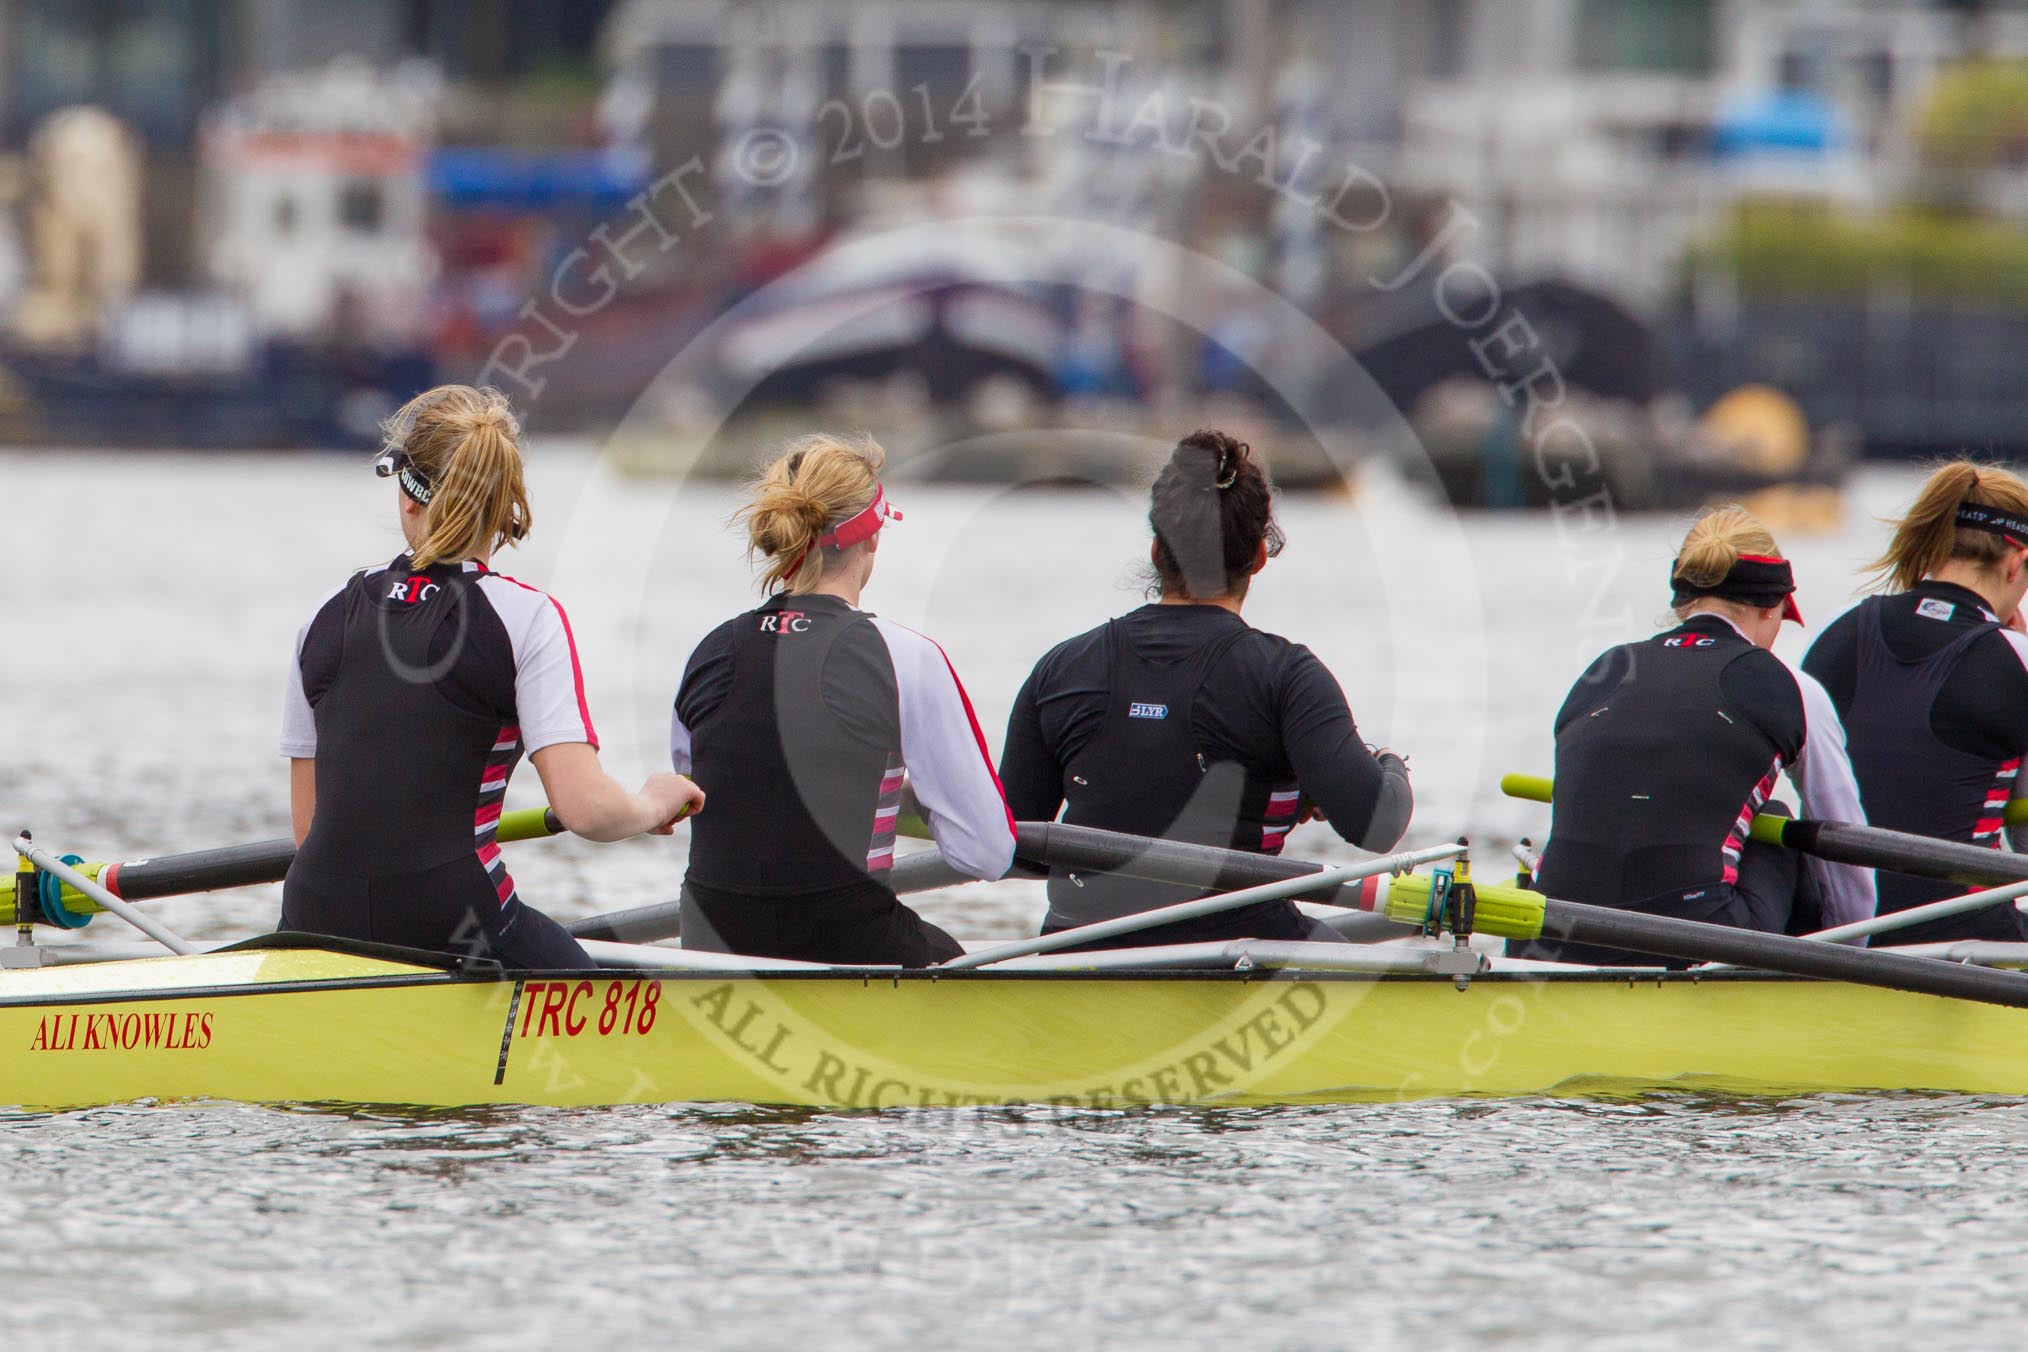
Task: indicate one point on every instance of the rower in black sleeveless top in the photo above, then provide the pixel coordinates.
(806, 716)
(416, 689)
(1931, 680)
(1182, 721)
(1666, 749)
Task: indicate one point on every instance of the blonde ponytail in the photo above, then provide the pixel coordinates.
(1928, 536)
(1718, 539)
(466, 444)
(816, 482)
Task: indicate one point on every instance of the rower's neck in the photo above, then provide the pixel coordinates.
(1226, 602)
(1973, 578)
(843, 584)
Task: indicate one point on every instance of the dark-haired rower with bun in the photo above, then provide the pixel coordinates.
(1181, 720)
(806, 716)
(1933, 685)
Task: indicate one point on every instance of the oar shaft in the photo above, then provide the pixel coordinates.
(1694, 942)
(1040, 845)
(1862, 846)
(1901, 852)
(1037, 846)
(640, 925)
(1921, 915)
(263, 861)
(1212, 905)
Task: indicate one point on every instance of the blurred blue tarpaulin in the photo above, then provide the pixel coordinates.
(499, 176)
(1785, 121)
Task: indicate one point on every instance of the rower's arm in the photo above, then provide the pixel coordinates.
(1030, 773)
(1822, 774)
(591, 803)
(302, 796)
(946, 756)
(1365, 795)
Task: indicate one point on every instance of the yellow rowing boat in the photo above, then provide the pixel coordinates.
(285, 1021)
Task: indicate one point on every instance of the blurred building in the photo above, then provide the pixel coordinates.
(1597, 139)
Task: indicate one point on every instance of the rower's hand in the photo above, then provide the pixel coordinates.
(675, 797)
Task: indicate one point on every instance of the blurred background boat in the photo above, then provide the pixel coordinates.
(265, 225)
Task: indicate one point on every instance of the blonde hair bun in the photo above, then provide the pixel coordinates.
(813, 483)
(1719, 538)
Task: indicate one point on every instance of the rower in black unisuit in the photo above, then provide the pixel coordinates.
(418, 691)
(813, 708)
(1666, 749)
(414, 691)
(806, 717)
(1186, 722)
(1183, 721)
(1933, 691)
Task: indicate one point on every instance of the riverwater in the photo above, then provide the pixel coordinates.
(153, 602)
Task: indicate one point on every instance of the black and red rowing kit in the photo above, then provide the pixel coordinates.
(1665, 751)
(1934, 695)
(1186, 723)
(417, 692)
(804, 718)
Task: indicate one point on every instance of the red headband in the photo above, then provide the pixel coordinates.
(862, 525)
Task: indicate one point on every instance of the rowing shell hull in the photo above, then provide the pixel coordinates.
(312, 1026)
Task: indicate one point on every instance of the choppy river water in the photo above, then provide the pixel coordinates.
(153, 601)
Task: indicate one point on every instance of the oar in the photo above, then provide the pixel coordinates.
(265, 861)
(1917, 915)
(1513, 913)
(148, 925)
(1203, 906)
(1038, 846)
(1863, 846)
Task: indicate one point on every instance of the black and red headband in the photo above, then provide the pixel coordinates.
(2010, 525)
(1757, 580)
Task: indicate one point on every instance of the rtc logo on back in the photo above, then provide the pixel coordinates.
(786, 622)
(413, 591)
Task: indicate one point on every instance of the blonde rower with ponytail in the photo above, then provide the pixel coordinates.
(1666, 748)
(807, 716)
(1931, 678)
(416, 689)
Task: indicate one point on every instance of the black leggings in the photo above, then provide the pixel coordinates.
(448, 909)
(861, 924)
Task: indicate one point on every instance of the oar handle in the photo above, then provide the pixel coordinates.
(1766, 827)
(1859, 846)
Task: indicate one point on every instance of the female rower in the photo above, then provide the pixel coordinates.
(1933, 685)
(1181, 720)
(415, 690)
(1667, 748)
(805, 716)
